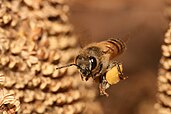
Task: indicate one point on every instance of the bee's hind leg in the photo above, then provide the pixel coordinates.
(121, 76)
(115, 63)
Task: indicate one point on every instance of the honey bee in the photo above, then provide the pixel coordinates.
(97, 60)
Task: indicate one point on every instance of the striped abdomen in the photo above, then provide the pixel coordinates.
(116, 45)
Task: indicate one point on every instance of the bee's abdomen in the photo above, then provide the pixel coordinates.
(119, 44)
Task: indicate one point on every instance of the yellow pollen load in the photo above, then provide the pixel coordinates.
(112, 76)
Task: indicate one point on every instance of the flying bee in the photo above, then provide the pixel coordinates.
(96, 60)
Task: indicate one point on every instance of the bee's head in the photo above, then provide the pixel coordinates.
(86, 65)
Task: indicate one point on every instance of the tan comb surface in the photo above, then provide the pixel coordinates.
(164, 78)
(35, 38)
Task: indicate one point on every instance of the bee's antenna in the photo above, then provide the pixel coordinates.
(68, 66)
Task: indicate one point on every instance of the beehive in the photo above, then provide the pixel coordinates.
(35, 38)
(164, 78)
(9, 104)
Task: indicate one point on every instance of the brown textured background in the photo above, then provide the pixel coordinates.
(143, 23)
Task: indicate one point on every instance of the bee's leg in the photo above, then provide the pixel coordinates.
(82, 78)
(86, 78)
(103, 86)
(115, 63)
(121, 76)
(102, 90)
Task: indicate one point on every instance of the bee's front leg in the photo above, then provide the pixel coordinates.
(82, 78)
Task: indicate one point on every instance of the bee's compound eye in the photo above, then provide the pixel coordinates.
(93, 62)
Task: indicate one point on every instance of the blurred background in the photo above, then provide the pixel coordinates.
(142, 24)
